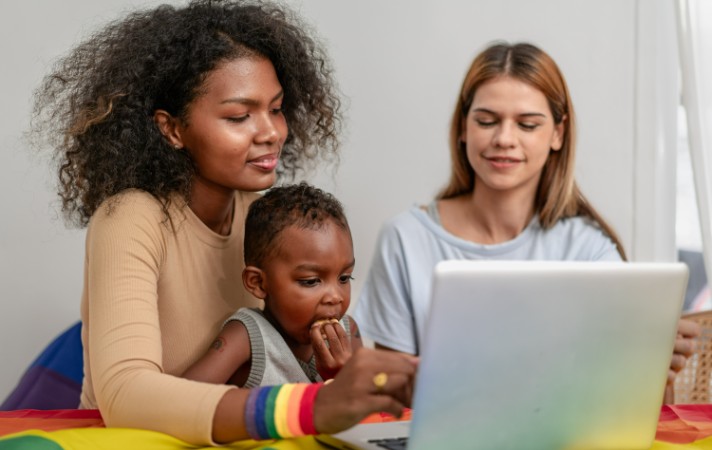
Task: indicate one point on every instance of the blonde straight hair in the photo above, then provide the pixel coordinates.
(558, 195)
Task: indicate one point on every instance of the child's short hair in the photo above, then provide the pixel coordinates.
(300, 205)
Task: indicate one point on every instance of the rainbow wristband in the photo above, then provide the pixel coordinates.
(306, 408)
(277, 412)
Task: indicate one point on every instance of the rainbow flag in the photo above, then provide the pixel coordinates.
(681, 427)
(54, 379)
(684, 427)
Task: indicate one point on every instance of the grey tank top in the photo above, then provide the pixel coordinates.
(272, 361)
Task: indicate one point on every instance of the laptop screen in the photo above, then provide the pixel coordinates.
(540, 355)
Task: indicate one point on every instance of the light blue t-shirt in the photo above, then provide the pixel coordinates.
(395, 298)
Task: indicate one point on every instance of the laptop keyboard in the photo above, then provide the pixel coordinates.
(391, 443)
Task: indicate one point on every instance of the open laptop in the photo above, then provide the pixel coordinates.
(540, 355)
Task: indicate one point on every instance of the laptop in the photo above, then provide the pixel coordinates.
(540, 355)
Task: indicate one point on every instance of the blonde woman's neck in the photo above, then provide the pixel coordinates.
(487, 219)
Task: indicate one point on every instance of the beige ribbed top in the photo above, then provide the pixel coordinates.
(153, 301)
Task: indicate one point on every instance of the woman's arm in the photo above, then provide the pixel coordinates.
(383, 347)
(127, 379)
(228, 352)
(387, 306)
(338, 405)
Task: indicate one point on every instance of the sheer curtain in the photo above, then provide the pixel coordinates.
(694, 199)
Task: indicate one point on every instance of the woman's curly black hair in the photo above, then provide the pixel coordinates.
(96, 107)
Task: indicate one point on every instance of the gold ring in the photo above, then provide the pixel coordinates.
(380, 380)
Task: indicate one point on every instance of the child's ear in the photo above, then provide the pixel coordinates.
(253, 279)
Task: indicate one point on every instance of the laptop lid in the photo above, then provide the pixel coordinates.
(544, 355)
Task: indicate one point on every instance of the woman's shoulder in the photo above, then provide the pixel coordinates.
(135, 208)
(129, 200)
(414, 219)
(408, 217)
(581, 238)
(577, 226)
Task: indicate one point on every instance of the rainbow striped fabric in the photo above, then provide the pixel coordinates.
(54, 379)
(681, 427)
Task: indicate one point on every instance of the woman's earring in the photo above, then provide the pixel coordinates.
(177, 146)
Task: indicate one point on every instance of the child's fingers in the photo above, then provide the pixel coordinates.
(321, 350)
(336, 336)
(328, 359)
(343, 337)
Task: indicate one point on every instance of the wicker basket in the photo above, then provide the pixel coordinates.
(692, 384)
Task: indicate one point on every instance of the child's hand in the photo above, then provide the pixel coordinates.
(331, 357)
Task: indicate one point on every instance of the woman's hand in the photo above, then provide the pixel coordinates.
(332, 348)
(371, 381)
(687, 331)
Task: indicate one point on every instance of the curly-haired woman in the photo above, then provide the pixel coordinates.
(165, 124)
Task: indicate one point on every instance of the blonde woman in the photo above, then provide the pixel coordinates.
(511, 196)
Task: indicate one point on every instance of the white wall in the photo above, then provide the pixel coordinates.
(399, 65)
